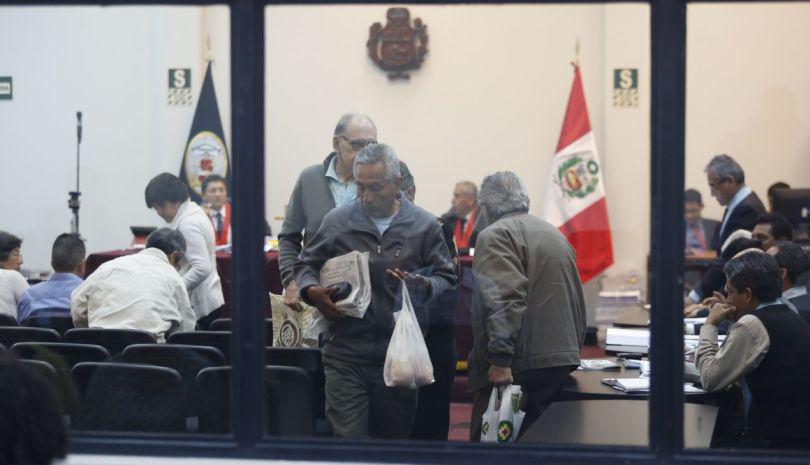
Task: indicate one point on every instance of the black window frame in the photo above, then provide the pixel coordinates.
(667, 157)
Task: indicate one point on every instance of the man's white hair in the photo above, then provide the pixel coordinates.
(501, 193)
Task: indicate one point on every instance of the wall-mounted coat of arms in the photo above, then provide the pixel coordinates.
(398, 47)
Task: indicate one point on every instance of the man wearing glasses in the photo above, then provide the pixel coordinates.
(319, 189)
(727, 183)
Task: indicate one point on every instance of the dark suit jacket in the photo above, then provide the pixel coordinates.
(802, 304)
(743, 216)
(710, 228)
(448, 221)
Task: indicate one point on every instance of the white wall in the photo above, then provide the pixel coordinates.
(111, 63)
(748, 93)
(490, 96)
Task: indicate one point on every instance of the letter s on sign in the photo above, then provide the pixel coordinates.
(626, 78)
(179, 79)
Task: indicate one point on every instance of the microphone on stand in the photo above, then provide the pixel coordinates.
(73, 202)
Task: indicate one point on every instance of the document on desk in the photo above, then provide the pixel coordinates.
(350, 268)
(642, 385)
(597, 364)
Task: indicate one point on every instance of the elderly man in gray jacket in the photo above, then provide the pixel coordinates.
(528, 310)
(404, 242)
(319, 189)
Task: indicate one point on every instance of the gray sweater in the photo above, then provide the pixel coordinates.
(310, 201)
(413, 242)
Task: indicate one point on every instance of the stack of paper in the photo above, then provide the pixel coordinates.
(351, 268)
(635, 341)
(642, 385)
(596, 364)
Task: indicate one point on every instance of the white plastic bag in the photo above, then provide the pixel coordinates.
(489, 422)
(407, 362)
(502, 420)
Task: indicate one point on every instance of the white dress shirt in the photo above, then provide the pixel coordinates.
(12, 286)
(141, 291)
(200, 269)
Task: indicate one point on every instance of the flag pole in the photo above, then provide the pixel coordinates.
(208, 55)
(576, 55)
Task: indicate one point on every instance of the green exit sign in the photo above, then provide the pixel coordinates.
(5, 88)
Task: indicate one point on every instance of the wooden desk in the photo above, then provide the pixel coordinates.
(587, 385)
(614, 422)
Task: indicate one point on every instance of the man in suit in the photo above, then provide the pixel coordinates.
(217, 207)
(464, 219)
(699, 230)
(726, 180)
(528, 315)
(767, 348)
(793, 261)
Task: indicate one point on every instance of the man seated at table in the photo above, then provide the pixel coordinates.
(767, 349)
(53, 296)
(770, 228)
(465, 219)
(793, 261)
(699, 230)
(141, 291)
(167, 194)
(404, 242)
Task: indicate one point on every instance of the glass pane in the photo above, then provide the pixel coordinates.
(491, 94)
(129, 84)
(752, 108)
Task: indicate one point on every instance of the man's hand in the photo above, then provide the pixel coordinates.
(409, 278)
(716, 298)
(322, 298)
(500, 376)
(292, 296)
(719, 313)
(692, 310)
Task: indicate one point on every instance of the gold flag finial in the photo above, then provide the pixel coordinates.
(576, 53)
(208, 55)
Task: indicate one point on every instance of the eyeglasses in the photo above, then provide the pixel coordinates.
(358, 144)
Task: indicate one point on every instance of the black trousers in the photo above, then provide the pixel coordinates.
(433, 408)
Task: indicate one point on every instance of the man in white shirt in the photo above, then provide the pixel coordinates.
(141, 291)
(12, 283)
(167, 194)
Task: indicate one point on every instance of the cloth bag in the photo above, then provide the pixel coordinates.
(503, 418)
(407, 362)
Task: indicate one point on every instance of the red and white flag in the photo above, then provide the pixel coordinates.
(575, 198)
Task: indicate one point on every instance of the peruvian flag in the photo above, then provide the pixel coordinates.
(575, 199)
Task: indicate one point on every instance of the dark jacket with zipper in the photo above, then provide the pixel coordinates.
(413, 242)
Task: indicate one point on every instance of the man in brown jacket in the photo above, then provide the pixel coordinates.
(528, 310)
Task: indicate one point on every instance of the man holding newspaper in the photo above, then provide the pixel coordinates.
(403, 243)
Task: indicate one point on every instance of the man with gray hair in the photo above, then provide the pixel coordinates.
(726, 180)
(404, 243)
(141, 291)
(319, 189)
(528, 314)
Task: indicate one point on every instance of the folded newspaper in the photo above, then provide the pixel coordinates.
(350, 268)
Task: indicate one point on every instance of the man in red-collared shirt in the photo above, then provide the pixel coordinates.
(216, 205)
(464, 219)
